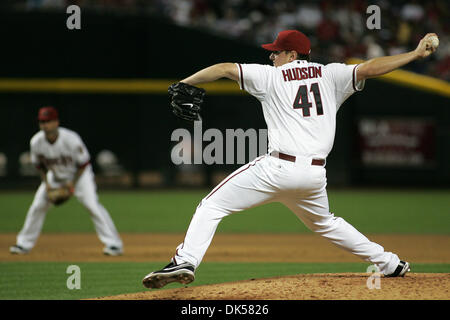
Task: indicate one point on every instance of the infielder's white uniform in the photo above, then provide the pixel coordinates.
(62, 159)
(300, 101)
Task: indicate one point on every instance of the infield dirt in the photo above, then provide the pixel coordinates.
(261, 248)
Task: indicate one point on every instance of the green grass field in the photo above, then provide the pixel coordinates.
(370, 211)
(419, 212)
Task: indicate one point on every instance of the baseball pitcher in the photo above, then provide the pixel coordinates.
(299, 101)
(64, 165)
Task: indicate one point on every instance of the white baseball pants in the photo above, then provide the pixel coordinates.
(300, 186)
(86, 193)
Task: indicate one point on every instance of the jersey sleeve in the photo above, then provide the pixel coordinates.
(254, 78)
(80, 152)
(344, 79)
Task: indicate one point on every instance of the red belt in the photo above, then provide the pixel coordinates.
(283, 156)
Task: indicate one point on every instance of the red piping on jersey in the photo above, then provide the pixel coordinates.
(220, 186)
(354, 78)
(175, 260)
(84, 165)
(241, 75)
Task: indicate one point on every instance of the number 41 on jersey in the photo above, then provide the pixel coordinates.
(301, 100)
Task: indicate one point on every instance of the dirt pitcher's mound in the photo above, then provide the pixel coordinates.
(336, 286)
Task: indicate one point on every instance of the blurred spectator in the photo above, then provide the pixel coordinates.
(337, 29)
(327, 31)
(412, 12)
(309, 16)
(180, 11)
(373, 48)
(46, 3)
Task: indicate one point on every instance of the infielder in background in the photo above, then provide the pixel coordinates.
(300, 100)
(64, 165)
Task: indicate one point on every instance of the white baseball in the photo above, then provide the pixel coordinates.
(434, 41)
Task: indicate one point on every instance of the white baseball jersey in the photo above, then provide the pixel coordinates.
(63, 157)
(300, 100)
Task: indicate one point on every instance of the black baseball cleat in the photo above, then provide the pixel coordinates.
(16, 249)
(402, 269)
(182, 273)
(112, 251)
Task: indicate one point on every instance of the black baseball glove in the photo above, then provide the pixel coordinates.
(186, 101)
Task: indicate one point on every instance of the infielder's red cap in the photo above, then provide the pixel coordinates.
(47, 114)
(290, 40)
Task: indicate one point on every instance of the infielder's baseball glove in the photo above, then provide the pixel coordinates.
(59, 195)
(186, 101)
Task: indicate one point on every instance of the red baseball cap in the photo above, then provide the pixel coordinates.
(47, 114)
(290, 40)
